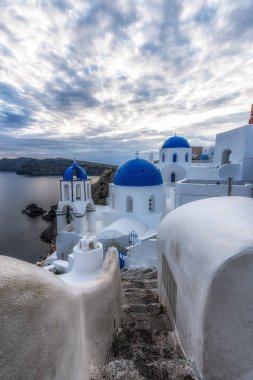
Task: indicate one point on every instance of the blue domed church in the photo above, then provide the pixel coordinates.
(175, 159)
(136, 197)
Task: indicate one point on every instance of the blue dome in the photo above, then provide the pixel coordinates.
(74, 168)
(138, 172)
(176, 142)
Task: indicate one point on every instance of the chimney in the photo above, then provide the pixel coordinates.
(251, 115)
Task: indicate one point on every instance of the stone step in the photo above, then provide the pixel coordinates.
(148, 276)
(143, 320)
(144, 347)
(140, 273)
(133, 343)
(141, 284)
(124, 369)
(146, 296)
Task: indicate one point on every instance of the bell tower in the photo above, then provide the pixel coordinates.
(75, 212)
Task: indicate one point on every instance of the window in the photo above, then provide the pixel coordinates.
(88, 190)
(174, 158)
(78, 192)
(113, 201)
(151, 203)
(163, 157)
(129, 204)
(170, 285)
(66, 192)
(186, 157)
(226, 157)
(173, 177)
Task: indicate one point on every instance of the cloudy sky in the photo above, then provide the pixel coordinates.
(100, 79)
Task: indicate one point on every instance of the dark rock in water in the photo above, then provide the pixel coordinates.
(49, 234)
(100, 189)
(50, 215)
(33, 210)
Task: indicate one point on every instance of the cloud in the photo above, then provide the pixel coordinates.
(15, 111)
(101, 79)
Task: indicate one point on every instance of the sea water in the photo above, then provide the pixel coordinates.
(19, 233)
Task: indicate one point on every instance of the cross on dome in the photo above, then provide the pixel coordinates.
(137, 153)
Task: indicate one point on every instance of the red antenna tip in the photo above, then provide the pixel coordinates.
(251, 115)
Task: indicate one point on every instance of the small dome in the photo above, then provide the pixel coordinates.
(74, 168)
(176, 142)
(138, 172)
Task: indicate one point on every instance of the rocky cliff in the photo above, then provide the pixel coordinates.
(100, 189)
(48, 166)
(12, 164)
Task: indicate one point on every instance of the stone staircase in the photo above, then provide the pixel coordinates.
(144, 347)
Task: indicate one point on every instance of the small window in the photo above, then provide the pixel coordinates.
(173, 177)
(163, 157)
(174, 158)
(129, 204)
(226, 156)
(88, 190)
(78, 192)
(186, 157)
(113, 201)
(66, 192)
(151, 203)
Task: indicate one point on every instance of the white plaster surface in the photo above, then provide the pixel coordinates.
(209, 258)
(189, 191)
(141, 196)
(50, 330)
(143, 255)
(87, 264)
(202, 178)
(41, 321)
(127, 225)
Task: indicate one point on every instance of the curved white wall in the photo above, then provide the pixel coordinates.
(51, 330)
(175, 168)
(196, 244)
(228, 321)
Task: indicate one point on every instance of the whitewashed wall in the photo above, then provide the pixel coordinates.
(50, 330)
(186, 192)
(205, 266)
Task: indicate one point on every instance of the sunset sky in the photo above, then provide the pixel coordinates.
(101, 79)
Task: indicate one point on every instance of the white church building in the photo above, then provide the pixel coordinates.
(175, 159)
(137, 200)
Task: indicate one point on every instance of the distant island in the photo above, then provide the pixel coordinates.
(48, 166)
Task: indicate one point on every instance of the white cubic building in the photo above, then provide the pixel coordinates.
(233, 158)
